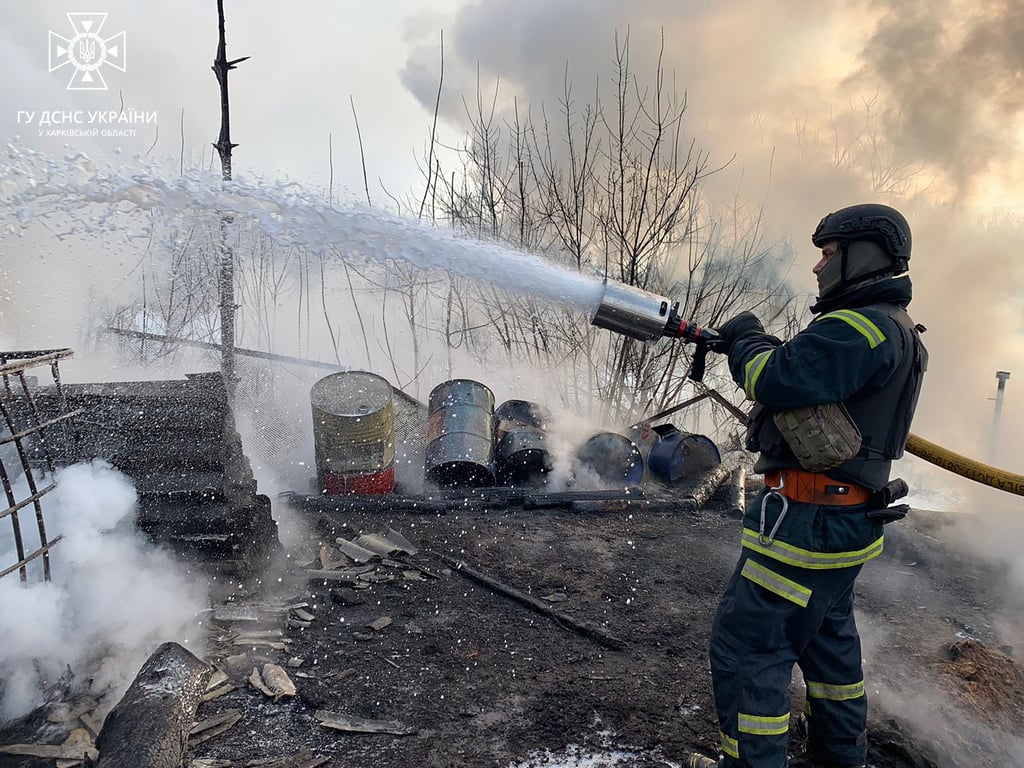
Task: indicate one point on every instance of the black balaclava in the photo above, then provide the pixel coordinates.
(856, 263)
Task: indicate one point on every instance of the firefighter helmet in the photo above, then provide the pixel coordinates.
(868, 221)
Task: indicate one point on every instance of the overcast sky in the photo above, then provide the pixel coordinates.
(778, 89)
(309, 59)
(945, 76)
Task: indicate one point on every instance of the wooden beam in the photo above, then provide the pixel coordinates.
(149, 727)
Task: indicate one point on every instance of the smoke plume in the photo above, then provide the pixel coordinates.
(111, 601)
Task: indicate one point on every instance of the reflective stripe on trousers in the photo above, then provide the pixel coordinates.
(774, 615)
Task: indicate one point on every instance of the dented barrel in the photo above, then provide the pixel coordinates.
(612, 459)
(460, 435)
(353, 433)
(679, 458)
(521, 456)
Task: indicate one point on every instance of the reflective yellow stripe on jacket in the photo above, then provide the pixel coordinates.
(860, 322)
(806, 558)
(752, 372)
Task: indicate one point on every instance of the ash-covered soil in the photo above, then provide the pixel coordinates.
(479, 678)
(486, 680)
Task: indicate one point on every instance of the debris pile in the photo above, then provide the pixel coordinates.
(989, 684)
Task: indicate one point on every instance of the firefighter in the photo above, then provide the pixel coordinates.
(832, 410)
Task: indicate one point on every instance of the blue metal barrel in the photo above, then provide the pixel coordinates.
(679, 458)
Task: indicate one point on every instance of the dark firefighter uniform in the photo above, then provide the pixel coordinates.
(790, 599)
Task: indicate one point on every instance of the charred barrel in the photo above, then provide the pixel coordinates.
(460, 435)
(609, 459)
(354, 433)
(521, 456)
(680, 458)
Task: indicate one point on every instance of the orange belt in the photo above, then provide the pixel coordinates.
(815, 488)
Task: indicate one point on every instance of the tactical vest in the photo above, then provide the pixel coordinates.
(883, 417)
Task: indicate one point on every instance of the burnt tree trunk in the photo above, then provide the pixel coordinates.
(221, 67)
(149, 727)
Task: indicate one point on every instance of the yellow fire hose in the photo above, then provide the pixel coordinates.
(958, 464)
(974, 470)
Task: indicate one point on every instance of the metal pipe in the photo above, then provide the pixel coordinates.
(1002, 376)
(288, 359)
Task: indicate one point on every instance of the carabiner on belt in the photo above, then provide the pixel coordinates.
(766, 541)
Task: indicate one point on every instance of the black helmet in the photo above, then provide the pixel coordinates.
(868, 221)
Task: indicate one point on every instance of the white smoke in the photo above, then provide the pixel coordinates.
(112, 599)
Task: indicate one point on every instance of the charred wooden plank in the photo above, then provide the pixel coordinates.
(366, 503)
(470, 499)
(622, 505)
(342, 721)
(563, 619)
(706, 486)
(149, 727)
(568, 498)
(180, 484)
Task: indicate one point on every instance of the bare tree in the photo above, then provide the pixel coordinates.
(612, 191)
(853, 141)
(221, 67)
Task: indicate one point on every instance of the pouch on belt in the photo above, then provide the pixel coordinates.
(821, 436)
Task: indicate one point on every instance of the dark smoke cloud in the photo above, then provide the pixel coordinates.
(953, 77)
(945, 79)
(749, 72)
(532, 45)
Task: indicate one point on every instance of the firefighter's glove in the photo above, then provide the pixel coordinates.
(740, 327)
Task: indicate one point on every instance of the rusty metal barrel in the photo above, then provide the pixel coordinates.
(613, 460)
(354, 433)
(521, 456)
(460, 435)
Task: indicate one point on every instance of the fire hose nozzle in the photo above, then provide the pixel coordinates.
(635, 313)
(645, 316)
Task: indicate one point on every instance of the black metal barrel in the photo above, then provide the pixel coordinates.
(460, 435)
(521, 456)
(612, 459)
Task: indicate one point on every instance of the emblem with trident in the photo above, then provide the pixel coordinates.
(87, 52)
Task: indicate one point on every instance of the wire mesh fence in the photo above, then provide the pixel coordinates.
(29, 438)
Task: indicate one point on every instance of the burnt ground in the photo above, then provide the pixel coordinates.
(485, 680)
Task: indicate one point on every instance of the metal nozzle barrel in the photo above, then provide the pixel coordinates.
(634, 312)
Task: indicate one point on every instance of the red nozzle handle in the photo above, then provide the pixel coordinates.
(690, 331)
